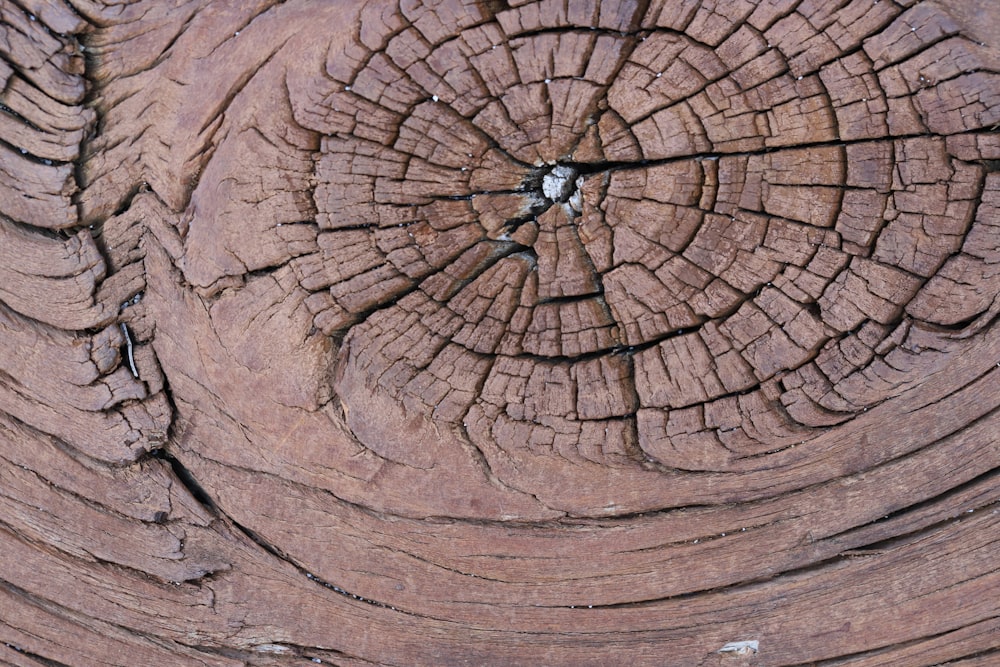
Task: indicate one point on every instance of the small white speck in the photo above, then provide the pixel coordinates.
(799, 79)
(659, 74)
(434, 98)
(236, 34)
(548, 81)
(280, 224)
(741, 648)
(347, 87)
(271, 648)
(913, 29)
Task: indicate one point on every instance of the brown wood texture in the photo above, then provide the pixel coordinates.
(453, 332)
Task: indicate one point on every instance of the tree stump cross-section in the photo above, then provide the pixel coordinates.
(433, 332)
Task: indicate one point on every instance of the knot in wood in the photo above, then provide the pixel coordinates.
(630, 233)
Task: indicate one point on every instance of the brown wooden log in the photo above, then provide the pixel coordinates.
(433, 332)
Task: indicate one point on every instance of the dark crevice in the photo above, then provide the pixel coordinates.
(635, 33)
(264, 544)
(72, 616)
(494, 7)
(960, 325)
(901, 646)
(479, 456)
(25, 74)
(325, 656)
(45, 232)
(925, 45)
(259, 11)
(29, 156)
(513, 224)
(814, 568)
(911, 510)
(572, 298)
(21, 119)
(202, 496)
(187, 479)
(500, 250)
(257, 539)
(964, 329)
(35, 657)
(533, 182)
(69, 494)
(97, 228)
(503, 250)
(964, 660)
(165, 51)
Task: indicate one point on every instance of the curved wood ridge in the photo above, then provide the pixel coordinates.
(423, 332)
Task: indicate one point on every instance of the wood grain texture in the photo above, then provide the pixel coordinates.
(433, 332)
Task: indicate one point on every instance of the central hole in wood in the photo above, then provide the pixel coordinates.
(558, 185)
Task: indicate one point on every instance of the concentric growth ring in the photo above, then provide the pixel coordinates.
(640, 239)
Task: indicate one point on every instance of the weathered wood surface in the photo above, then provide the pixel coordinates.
(541, 333)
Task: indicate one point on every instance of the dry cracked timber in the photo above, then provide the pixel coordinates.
(654, 332)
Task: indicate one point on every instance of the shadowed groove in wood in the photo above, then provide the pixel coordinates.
(451, 332)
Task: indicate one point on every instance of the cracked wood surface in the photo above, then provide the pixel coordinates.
(423, 332)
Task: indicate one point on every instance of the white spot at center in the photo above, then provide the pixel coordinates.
(557, 184)
(741, 648)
